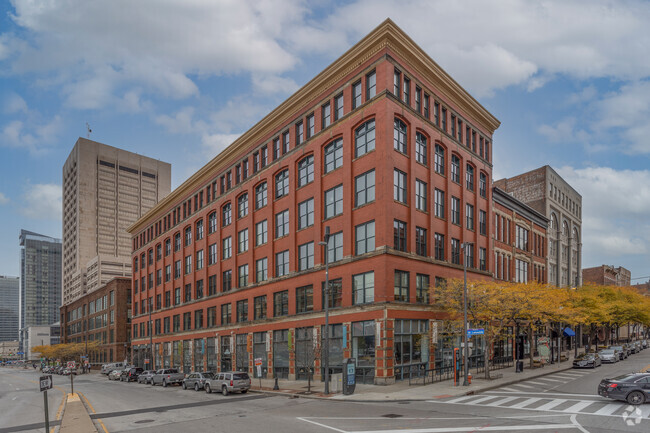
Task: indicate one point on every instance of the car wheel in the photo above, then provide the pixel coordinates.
(184, 386)
(196, 387)
(244, 391)
(635, 397)
(207, 388)
(224, 390)
(164, 383)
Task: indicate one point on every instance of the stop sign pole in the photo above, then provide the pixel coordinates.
(45, 384)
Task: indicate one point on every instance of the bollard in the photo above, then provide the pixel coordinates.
(276, 387)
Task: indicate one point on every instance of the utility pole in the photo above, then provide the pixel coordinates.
(325, 353)
(463, 247)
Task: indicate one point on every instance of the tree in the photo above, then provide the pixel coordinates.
(306, 352)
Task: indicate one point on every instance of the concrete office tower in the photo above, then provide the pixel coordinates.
(40, 281)
(546, 192)
(9, 308)
(105, 190)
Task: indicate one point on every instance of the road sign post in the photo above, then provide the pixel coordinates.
(45, 384)
(476, 331)
(258, 365)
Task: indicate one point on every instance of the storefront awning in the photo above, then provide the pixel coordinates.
(568, 332)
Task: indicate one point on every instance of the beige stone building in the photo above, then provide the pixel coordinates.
(546, 192)
(105, 190)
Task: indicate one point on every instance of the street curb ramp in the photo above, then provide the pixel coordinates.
(75, 417)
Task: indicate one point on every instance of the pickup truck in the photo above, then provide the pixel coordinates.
(167, 376)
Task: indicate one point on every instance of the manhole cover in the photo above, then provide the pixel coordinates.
(392, 415)
(144, 421)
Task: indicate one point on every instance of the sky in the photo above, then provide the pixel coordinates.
(180, 80)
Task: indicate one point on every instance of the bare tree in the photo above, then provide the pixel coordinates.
(306, 352)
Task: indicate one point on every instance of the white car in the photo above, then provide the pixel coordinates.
(114, 375)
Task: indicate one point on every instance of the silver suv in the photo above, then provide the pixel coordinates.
(227, 382)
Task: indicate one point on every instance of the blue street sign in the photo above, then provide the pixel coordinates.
(477, 331)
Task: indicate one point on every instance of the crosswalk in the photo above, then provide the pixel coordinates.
(545, 383)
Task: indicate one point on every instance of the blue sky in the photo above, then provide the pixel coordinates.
(179, 80)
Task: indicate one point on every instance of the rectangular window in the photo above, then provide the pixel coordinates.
(212, 285)
(371, 85)
(177, 295)
(335, 295)
(226, 314)
(226, 281)
(364, 188)
(406, 97)
(188, 239)
(420, 195)
(421, 148)
(453, 126)
(444, 119)
(439, 203)
(168, 247)
(455, 210)
(242, 241)
(482, 257)
(418, 99)
(188, 265)
(469, 255)
(338, 106)
(227, 248)
(356, 94)
(422, 289)
(188, 293)
(242, 311)
(212, 222)
(521, 238)
(259, 307)
(482, 222)
(285, 142)
(399, 186)
(397, 78)
(311, 125)
(326, 112)
(261, 270)
(226, 214)
(364, 235)
(282, 184)
(243, 275)
(334, 201)
(264, 156)
(439, 164)
(306, 256)
(455, 169)
(363, 288)
(306, 214)
(335, 247)
(256, 162)
(242, 205)
(306, 171)
(305, 299)
(187, 321)
(198, 319)
(482, 185)
(421, 242)
(439, 246)
(399, 136)
(282, 224)
(469, 216)
(212, 317)
(281, 303)
(300, 133)
(399, 235)
(436, 113)
(261, 233)
(261, 196)
(177, 323)
(364, 139)
(426, 106)
(199, 289)
(168, 273)
(282, 263)
(333, 155)
(455, 251)
(212, 254)
(199, 260)
(401, 286)
(469, 177)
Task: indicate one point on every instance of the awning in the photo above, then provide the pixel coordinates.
(568, 332)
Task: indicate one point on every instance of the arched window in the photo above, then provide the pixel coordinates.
(439, 163)
(399, 136)
(364, 138)
(334, 155)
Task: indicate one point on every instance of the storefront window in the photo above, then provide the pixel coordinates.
(226, 354)
(411, 348)
(167, 354)
(212, 354)
(199, 351)
(281, 354)
(178, 354)
(363, 350)
(187, 356)
(241, 348)
(335, 349)
(259, 351)
(306, 353)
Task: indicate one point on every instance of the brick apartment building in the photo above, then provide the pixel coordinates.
(103, 316)
(519, 240)
(607, 275)
(230, 261)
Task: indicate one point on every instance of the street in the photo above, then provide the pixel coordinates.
(560, 401)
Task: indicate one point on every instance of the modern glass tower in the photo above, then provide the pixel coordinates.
(9, 308)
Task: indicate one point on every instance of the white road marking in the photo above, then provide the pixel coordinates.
(502, 401)
(456, 400)
(549, 379)
(608, 409)
(524, 386)
(579, 406)
(507, 389)
(551, 404)
(473, 429)
(321, 425)
(525, 403)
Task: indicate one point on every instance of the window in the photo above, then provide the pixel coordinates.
(460, 131)
(281, 303)
(439, 163)
(338, 106)
(399, 186)
(420, 195)
(401, 286)
(226, 281)
(199, 260)
(212, 254)
(364, 235)
(242, 311)
(188, 293)
(334, 155)
(364, 139)
(285, 142)
(335, 247)
(364, 188)
(521, 239)
(421, 148)
(177, 242)
(418, 99)
(150, 252)
(455, 169)
(482, 185)
(469, 177)
(306, 171)
(242, 205)
(482, 256)
(305, 299)
(439, 246)
(306, 213)
(243, 276)
(356, 94)
(300, 133)
(188, 265)
(469, 255)
(226, 314)
(397, 78)
(453, 126)
(421, 241)
(226, 214)
(177, 322)
(282, 224)
(399, 136)
(426, 106)
(242, 241)
(212, 222)
(455, 210)
(264, 156)
(261, 196)
(212, 285)
(168, 247)
(168, 273)
(439, 203)
(177, 295)
(198, 319)
(159, 246)
(259, 307)
(199, 230)
(407, 91)
(306, 256)
(282, 184)
(399, 235)
(166, 328)
(282, 263)
(335, 295)
(158, 277)
(469, 211)
(311, 125)
(422, 289)
(334, 201)
(436, 113)
(177, 270)
(455, 251)
(444, 119)
(261, 270)
(363, 288)
(482, 222)
(188, 238)
(261, 232)
(326, 112)
(227, 248)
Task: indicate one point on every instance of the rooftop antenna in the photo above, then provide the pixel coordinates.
(88, 130)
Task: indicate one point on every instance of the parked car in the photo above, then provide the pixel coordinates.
(197, 380)
(107, 368)
(227, 382)
(609, 355)
(69, 371)
(114, 375)
(145, 376)
(633, 388)
(587, 360)
(644, 344)
(637, 346)
(167, 376)
(622, 351)
(130, 374)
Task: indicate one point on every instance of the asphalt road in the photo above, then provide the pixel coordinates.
(560, 402)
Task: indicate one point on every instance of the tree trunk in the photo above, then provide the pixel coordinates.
(530, 344)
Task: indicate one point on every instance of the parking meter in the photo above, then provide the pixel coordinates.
(349, 375)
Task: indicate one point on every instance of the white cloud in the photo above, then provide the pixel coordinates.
(213, 144)
(270, 84)
(179, 123)
(42, 201)
(3, 199)
(14, 103)
(37, 138)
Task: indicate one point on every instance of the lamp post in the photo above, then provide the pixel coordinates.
(325, 354)
(463, 247)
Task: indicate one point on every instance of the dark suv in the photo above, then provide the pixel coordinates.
(130, 374)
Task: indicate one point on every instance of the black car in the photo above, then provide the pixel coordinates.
(632, 387)
(130, 374)
(587, 360)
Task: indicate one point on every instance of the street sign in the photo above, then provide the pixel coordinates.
(258, 362)
(71, 364)
(477, 331)
(146, 360)
(46, 382)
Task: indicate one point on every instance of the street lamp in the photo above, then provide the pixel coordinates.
(325, 354)
(463, 247)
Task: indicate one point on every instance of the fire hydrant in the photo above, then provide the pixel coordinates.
(469, 378)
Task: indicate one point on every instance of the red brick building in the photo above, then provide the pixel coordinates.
(607, 275)
(104, 316)
(385, 149)
(519, 240)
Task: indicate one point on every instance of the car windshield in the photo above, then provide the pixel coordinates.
(616, 347)
(240, 376)
(607, 352)
(173, 370)
(208, 375)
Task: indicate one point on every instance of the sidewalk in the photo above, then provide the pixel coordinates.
(75, 417)
(402, 391)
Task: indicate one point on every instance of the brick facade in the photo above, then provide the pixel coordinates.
(607, 275)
